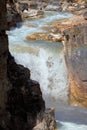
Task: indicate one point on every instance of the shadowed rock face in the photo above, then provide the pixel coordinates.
(20, 97)
(21, 103)
(76, 60)
(24, 99)
(3, 61)
(3, 55)
(13, 16)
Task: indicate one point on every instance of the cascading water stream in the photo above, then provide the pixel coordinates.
(47, 65)
(48, 68)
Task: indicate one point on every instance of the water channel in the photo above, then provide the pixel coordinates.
(46, 61)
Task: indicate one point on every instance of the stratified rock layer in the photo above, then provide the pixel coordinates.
(76, 60)
(74, 40)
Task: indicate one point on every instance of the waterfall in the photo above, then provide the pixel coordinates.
(47, 65)
(49, 69)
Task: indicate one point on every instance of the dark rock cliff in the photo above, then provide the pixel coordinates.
(24, 98)
(21, 104)
(3, 61)
(20, 97)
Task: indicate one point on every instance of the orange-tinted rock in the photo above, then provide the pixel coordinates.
(46, 36)
(75, 50)
(37, 36)
(76, 60)
(78, 96)
(32, 37)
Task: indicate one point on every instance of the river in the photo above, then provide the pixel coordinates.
(46, 62)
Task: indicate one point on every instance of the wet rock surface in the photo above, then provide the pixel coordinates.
(48, 122)
(46, 36)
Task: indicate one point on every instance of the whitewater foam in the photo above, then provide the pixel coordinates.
(70, 126)
(49, 70)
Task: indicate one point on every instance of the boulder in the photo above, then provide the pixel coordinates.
(46, 36)
(52, 8)
(55, 37)
(37, 36)
(22, 6)
(32, 13)
(48, 122)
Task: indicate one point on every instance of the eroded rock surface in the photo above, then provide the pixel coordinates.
(74, 32)
(48, 122)
(76, 60)
(74, 38)
(75, 49)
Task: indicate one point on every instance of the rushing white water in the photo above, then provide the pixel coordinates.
(70, 126)
(47, 65)
(49, 69)
(17, 35)
(45, 61)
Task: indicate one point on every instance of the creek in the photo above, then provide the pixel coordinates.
(47, 65)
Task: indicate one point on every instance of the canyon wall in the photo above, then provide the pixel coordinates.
(21, 104)
(3, 55)
(76, 61)
(4, 84)
(20, 97)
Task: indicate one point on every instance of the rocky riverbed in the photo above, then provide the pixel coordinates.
(72, 33)
(18, 10)
(18, 100)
